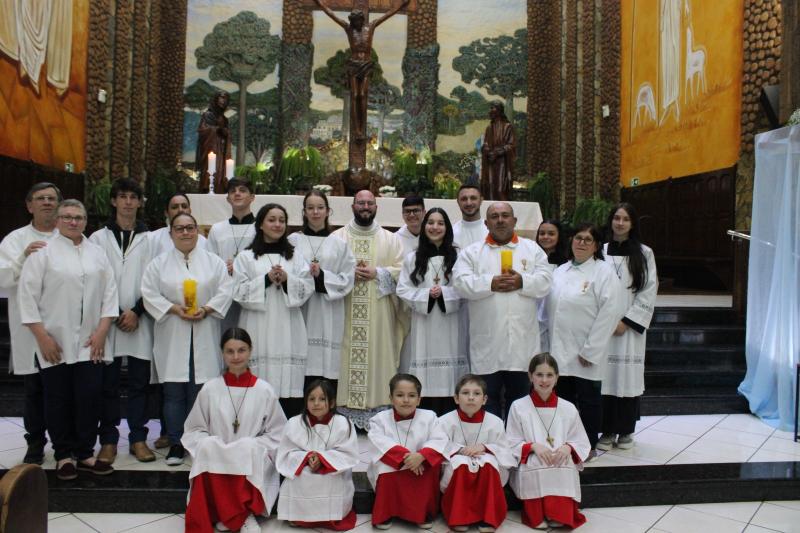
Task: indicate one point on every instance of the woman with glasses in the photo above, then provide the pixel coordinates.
(68, 299)
(582, 310)
(187, 291)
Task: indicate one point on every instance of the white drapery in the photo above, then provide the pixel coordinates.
(773, 292)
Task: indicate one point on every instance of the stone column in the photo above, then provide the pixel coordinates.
(421, 76)
(294, 86)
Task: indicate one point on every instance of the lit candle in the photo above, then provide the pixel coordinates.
(506, 260)
(212, 163)
(229, 168)
(190, 295)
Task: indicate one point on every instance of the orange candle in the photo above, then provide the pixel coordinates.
(506, 260)
(190, 295)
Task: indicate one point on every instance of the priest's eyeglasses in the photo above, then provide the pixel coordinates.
(188, 228)
(77, 219)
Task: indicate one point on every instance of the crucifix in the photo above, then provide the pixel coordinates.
(360, 32)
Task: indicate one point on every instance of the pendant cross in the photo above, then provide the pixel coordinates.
(550, 440)
(236, 425)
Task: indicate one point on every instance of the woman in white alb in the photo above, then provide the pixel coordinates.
(332, 267)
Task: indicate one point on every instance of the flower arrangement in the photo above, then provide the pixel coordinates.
(323, 188)
(387, 191)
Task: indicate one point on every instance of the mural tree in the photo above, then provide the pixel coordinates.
(334, 76)
(383, 99)
(493, 64)
(240, 50)
(261, 125)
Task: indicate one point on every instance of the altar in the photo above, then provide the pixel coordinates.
(211, 208)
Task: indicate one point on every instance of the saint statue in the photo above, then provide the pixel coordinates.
(359, 33)
(497, 155)
(213, 135)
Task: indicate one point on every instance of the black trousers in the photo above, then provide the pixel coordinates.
(138, 384)
(33, 415)
(585, 394)
(72, 400)
(620, 415)
(503, 388)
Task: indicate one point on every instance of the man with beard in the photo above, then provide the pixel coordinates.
(373, 333)
(471, 227)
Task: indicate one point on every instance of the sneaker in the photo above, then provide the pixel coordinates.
(161, 442)
(34, 454)
(592, 456)
(625, 442)
(460, 529)
(99, 468)
(67, 472)
(175, 455)
(606, 442)
(384, 525)
(250, 525)
(543, 526)
(219, 526)
(425, 525)
(483, 527)
(554, 524)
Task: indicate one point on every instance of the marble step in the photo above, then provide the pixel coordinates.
(691, 334)
(694, 315)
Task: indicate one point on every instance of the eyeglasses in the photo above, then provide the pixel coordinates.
(69, 218)
(363, 203)
(412, 211)
(188, 228)
(45, 199)
(583, 240)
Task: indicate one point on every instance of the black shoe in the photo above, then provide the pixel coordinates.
(175, 455)
(35, 454)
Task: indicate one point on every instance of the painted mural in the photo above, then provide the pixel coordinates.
(481, 51)
(43, 81)
(680, 88)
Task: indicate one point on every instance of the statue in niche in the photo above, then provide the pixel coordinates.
(213, 135)
(359, 33)
(497, 155)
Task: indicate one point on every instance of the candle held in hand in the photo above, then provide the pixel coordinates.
(506, 261)
(190, 295)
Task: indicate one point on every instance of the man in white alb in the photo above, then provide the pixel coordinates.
(503, 328)
(471, 227)
(42, 201)
(161, 239)
(413, 212)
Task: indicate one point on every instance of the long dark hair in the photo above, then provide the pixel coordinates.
(559, 255)
(427, 249)
(237, 334)
(594, 231)
(637, 264)
(320, 194)
(330, 394)
(259, 246)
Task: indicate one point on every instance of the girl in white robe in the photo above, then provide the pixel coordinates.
(332, 266)
(549, 443)
(272, 284)
(478, 461)
(409, 446)
(232, 434)
(623, 384)
(434, 350)
(316, 458)
(553, 240)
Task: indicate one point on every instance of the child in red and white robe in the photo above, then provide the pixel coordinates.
(410, 448)
(316, 457)
(548, 439)
(479, 459)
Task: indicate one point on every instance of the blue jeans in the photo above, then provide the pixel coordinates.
(503, 388)
(138, 381)
(178, 401)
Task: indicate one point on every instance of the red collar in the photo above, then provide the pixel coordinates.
(552, 401)
(490, 241)
(400, 418)
(245, 380)
(477, 418)
(313, 420)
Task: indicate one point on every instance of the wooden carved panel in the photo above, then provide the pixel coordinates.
(375, 6)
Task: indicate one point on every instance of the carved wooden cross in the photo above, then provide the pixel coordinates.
(367, 6)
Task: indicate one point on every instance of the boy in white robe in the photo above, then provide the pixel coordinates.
(316, 458)
(232, 434)
(410, 447)
(479, 459)
(547, 438)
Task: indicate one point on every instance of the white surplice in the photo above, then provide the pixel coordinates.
(583, 311)
(324, 312)
(534, 479)
(409, 240)
(128, 271)
(468, 232)
(274, 319)
(68, 289)
(433, 350)
(624, 376)
(311, 496)
(422, 431)
(162, 286)
(503, 329)
(161, 241)
(490, 433)
(251, 451)
(12, 257)
(229, 240)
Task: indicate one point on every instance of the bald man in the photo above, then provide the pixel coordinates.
(503, 328)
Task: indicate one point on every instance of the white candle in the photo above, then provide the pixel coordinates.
(229, 168)
(212, 163)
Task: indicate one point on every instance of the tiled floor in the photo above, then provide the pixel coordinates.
(747, 517)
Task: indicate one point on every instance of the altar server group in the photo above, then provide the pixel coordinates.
(253, 322)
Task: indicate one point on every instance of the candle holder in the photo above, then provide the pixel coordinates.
(211, 178)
